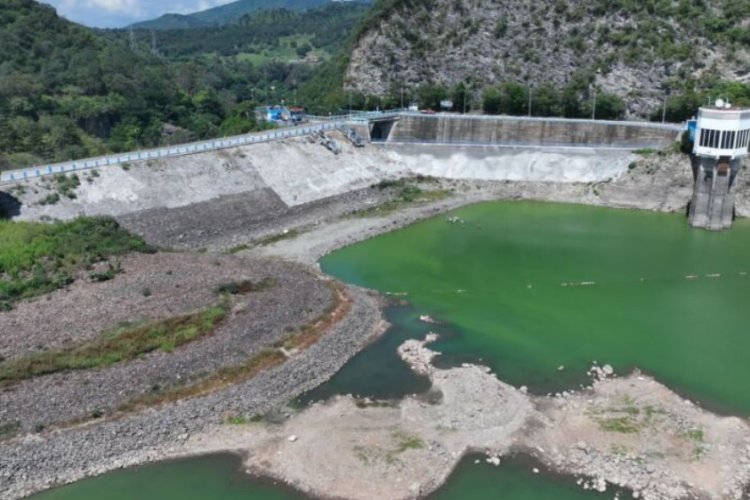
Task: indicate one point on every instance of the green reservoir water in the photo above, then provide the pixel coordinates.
(219, 477)
(506, 285)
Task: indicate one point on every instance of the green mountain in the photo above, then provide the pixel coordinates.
(225, 14)
(68, 92)
(172, 22)
(265, 36)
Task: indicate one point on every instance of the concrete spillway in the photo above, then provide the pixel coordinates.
(516, 131)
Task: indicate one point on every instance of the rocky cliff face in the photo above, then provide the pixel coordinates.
(635, 49)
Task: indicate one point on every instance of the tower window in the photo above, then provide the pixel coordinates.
(727, 139)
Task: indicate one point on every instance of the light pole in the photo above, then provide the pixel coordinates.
(593, 108)
(529, 100)
(664, 107)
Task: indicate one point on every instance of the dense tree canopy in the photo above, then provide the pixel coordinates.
(68, 92)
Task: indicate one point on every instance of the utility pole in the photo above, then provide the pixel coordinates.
(664, 111)
(154, 49)
(402, 96)
(133, 41)
(464, 99)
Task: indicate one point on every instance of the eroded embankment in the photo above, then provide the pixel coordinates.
(629, 432)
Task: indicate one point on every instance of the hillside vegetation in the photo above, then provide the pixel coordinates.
(37, 258)
(226, 14)
(324, 29)
(638, 52)
(68, 92)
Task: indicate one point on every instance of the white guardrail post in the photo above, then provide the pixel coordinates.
(11, 176)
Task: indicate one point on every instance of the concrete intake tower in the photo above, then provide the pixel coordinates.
(721, 139)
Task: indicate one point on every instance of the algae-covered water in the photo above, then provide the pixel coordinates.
(526, 288)
(219, 477)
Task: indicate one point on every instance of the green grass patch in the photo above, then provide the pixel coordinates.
(119, 345)
(264, 360)
(405, 196)
(646, 151)
(245, 286)
(10, 429)
(286, 50)
(268, 240)
(38, 258)
(50, 199)
(274, 238)
(405, 441)
(695, 435)
(624, 425)
(237, 420)
(66, 185)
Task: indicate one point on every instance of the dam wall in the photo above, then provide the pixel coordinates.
(520, 131)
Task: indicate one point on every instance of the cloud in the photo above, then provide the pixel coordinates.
(112, 13)
(132, 7)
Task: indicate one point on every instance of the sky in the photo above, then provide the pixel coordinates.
(119, 13)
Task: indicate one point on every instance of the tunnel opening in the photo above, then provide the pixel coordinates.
(380, 131)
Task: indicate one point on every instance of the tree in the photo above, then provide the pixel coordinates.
(515, 98)
(492, 101)
(609, 107)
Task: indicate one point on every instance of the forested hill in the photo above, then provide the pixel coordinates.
(66, 92)
(267, 33)
(171, 22)
(639, 51)
(225, 14)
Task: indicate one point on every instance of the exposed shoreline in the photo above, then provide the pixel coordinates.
(410, 448)
(162, 433)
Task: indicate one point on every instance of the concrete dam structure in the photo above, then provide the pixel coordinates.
(712, 206)
(522, 132)
(721, 138)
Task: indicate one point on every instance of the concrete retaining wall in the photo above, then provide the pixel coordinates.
(516, 131)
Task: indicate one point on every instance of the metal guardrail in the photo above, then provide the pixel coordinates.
(677, 127)
(327, 123)
(362, 116)
(551, 145)
(165, 152)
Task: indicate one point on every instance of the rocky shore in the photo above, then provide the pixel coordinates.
(266, 229)
(629, 432)
(37, 461)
